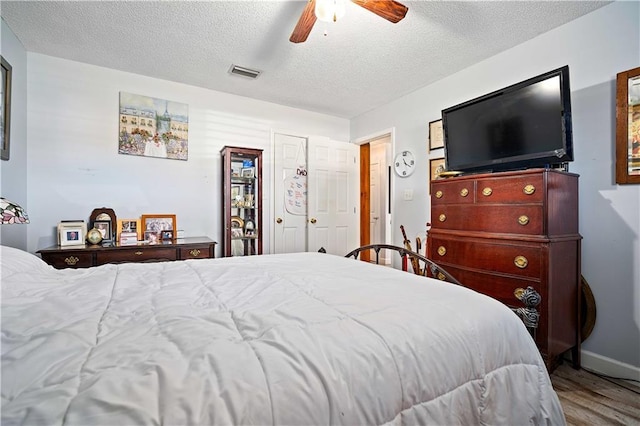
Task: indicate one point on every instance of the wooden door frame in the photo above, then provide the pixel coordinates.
(365, 191)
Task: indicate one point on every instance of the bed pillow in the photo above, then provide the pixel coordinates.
(13, 260)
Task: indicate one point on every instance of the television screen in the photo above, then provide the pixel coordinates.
(524, 125)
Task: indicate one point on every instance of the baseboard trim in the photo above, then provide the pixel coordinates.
(608, 366)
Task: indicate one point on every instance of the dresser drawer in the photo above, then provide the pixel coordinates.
(68, 259)
(453, 192)
(517, 189)
(507, 258)
(523, 219)
(138, 254)
(194, 252)
(502, 289)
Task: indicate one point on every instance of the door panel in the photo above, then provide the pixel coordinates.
(290, 235)
(334, 183)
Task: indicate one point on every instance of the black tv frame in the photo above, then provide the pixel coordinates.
(550, 159)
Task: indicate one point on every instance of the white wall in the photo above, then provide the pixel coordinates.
(13, 173)
(596, 47)
(74, 165)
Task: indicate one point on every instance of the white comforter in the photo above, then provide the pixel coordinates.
(294, 339)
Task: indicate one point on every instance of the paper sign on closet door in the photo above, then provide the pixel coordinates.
(295, 193)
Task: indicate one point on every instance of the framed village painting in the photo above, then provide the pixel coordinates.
(153, 127)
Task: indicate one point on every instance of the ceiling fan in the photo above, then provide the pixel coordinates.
(388, 9)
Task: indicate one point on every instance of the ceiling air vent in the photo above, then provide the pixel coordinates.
(244, 72)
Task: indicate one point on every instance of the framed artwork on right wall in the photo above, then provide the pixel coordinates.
(628, 126)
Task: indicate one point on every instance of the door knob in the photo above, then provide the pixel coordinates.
(313, 220)
(279, 220)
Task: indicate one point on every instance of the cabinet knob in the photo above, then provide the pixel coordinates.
(523, 220)
(439, 194)
(279, 220)
(487, 191)
(441, 276)
(442, 217)
(442, 251)
(194, 252)
(313, 220)
(137, 253)
(71, 260)
(529, 189)
(521, 262)
(464, 192)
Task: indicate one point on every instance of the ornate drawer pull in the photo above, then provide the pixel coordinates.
(441, 276)
(487, 191)
(521, 262)
(71, 260)
(194, 252)
(442, 217)
(439, 194)
(529, 189)
(464, 192)
(137, 253)
(523, 220)
(442, 251)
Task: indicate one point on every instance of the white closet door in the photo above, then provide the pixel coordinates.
(289, 229)
(333, 196)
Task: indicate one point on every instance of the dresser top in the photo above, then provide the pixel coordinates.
(505, 174)
(114, 245)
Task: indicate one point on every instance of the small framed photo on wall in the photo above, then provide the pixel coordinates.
(436, 166)
(436, 135)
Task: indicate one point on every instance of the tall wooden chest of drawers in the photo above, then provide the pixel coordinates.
(498, 232)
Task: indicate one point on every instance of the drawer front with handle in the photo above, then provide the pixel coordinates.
(525, 219)
(514, 259)
(194, 252)
(521, 189)
(71, 259)
(453, 192)
(137, 254)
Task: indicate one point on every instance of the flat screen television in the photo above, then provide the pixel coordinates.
(521, 126)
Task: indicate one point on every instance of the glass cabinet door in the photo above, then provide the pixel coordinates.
(242, 201)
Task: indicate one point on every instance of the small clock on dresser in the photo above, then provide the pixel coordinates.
(404, 164)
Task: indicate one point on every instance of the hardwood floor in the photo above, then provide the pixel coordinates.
(588, 399)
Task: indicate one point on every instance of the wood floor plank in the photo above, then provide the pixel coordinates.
(588, 399)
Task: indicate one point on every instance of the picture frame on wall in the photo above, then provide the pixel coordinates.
(628, 126)
(436, 166)
(436, 135)
(5, 108)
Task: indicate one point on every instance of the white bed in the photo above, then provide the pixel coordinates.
(292, 339)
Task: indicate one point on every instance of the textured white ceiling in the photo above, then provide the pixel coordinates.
(363, 62)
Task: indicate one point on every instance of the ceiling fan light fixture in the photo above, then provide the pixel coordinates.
(330, 10)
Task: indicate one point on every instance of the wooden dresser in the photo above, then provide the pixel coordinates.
(498, 232)
(89, 255)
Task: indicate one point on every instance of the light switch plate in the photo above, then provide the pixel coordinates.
(408, 194)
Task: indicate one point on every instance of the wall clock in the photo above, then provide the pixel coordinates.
(404, 164)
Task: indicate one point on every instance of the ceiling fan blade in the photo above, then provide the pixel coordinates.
(388, 9)
(305, 23)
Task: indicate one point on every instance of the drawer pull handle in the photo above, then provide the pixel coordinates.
(194, 252)
(442, 251)
(441, 276)
(521, 262)
(442, 217)
(464, 192)
(439, 194)
(523, 220)
(137, 253)
(529, 189)
(71, 260)
(487, 191)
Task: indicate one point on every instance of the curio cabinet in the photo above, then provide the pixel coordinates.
(242, 201)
